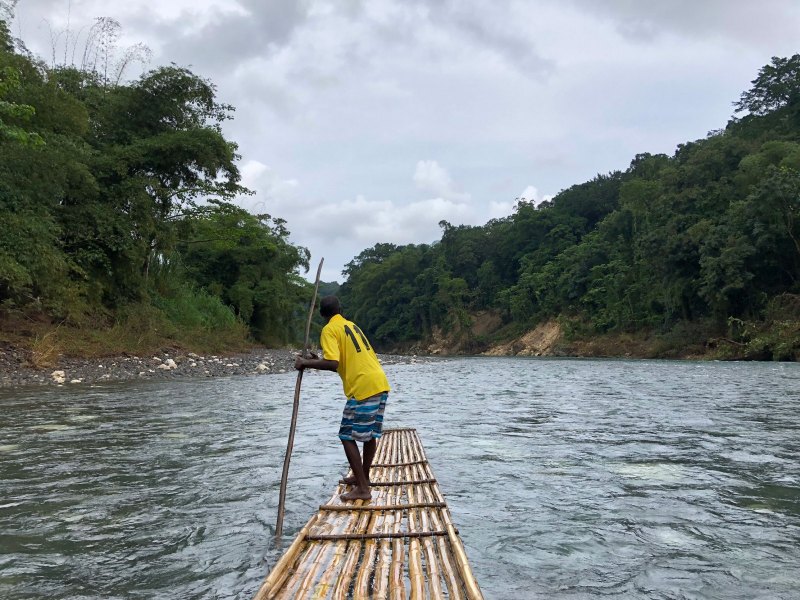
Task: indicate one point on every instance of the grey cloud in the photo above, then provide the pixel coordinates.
(253, 94)
(490, 29)
(230, 40)
(744, 22)
(234, 38)
(344, 97)
(510, 44)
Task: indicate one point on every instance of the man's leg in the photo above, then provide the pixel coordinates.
(361, 490)
(370, 448)
(369, 453)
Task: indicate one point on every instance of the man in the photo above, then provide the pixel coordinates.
(345, 349)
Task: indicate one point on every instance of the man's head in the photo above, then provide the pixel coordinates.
(329, 306)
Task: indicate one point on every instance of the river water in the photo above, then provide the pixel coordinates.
(567, 478)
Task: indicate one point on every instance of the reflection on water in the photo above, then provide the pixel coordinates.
(567, 478)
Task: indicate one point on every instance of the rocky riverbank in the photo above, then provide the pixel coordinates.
(16, 371)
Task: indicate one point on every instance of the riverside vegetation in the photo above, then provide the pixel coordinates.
(697, 253)
(118, 234)
(118, 229)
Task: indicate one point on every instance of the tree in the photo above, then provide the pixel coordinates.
(246, 261)
(777, 86)
(157, 150)
(12, 114)
(770, 219)
(7, 12)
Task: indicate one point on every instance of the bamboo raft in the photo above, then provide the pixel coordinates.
(400, 544)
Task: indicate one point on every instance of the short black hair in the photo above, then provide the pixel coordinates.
(329, 306)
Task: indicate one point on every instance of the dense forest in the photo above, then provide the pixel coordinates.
(118, 228)
(700, 249)
(120, 232)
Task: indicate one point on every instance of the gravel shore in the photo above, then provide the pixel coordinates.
(15, 371)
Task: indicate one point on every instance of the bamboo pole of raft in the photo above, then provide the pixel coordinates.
(367, 563)
(376, 523)
(381, 586)
(312, 559)
(434, 576)
(384, 554)
(428, 545)
(414, 558)
(397, 588)
(471, 585)
(365, 524)
(360, 521)
(448, 570)
(383, 569)
(325, 581)
(281, 570)
(304, 561)
(422, 470)
(414, 524)
(317, 550)
(362, 576)
(341, 549)
(295, 408)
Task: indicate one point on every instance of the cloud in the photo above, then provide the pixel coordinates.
(531, 194)
(340, 229)
(490, 29)
(430, 177)
(360, 119)
(269, 188)
(372, 221)
(756, 23)
(257, 29)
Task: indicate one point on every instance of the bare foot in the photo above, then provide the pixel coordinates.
(350, 480)
(356, 494)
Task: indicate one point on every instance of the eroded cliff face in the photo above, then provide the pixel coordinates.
(540, 341)
(474, 334)
(467, 339)
(463, 339)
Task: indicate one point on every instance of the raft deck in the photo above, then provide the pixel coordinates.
(400, 544)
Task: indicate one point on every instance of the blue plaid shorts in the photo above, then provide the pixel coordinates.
(362, 420)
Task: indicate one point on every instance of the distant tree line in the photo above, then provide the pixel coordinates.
(706, 239)
(116, 203)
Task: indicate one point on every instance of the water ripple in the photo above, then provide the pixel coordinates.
(567, 478)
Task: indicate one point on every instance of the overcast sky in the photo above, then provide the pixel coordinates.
(365, 122)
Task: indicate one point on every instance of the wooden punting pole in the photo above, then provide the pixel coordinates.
(295, 408)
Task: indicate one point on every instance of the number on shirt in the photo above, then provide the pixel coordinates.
(352, 336)
(362, 336)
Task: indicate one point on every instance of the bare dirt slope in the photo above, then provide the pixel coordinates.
(540, 341)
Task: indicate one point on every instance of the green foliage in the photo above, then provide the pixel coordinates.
(114, 199)
(382, 287)
(754, 251)
(776, 337)
(328, 289)
(243, 259)
(674, 244)
(188, 308)
(32, 268)
(777, 86)
(12, 113)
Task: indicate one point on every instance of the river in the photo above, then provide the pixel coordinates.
(567, 478)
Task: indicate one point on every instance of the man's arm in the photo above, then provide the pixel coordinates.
(315, 362)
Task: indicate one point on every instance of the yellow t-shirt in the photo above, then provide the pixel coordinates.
(359, 367)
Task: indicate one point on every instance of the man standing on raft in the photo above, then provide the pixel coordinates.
(345, 349)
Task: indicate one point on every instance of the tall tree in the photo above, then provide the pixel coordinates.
(776, 87)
